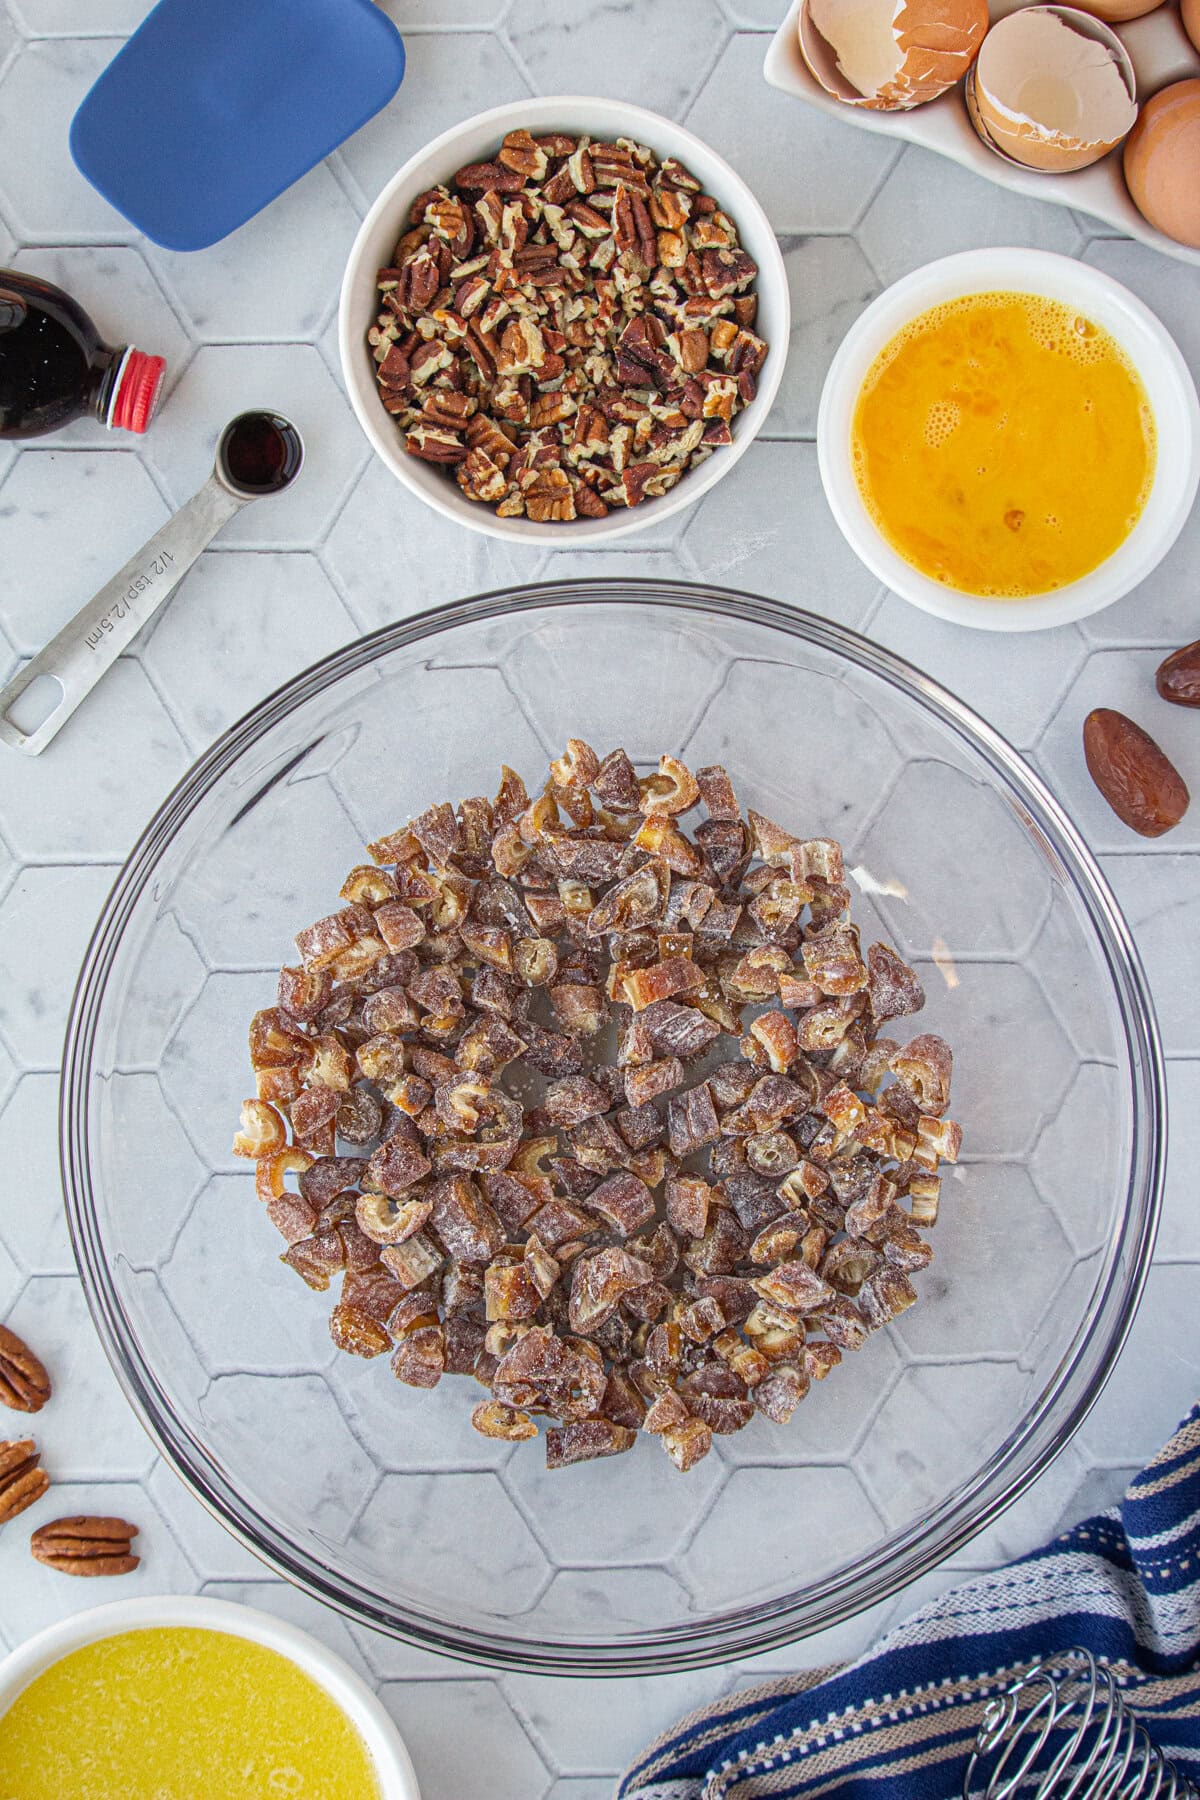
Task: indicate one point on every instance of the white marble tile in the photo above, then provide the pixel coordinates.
(1015, 679)
(213, 1553)
(226, 379)
(102, 800)
(240, 627)
(654, 56)
(929, 207)
(112, 506)
(1168, 287)
(830, 281)
(809, 171)
(1160, 609)
(451, 15)
(274, 279)
(625, 1715)
(87, 1432)
(1161, 902)
(39, 92)
(32, 1220)
(1179, 1226)
(87, 18)
(1156, 1379)
(744, 535)
(448, 76)
(46, 919)
(449, 1725)
(391, 556)
(12, 1279)
(8, 37)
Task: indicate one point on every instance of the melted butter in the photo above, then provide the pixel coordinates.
(179, 1715)
(1003, 444)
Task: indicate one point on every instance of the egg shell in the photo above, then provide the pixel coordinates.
(936, 41)
(1085, 53)
(1162, 162)
(1189, 12)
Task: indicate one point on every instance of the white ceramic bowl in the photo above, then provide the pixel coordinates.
(472, 141)
(1148, 344)
(384, 1743)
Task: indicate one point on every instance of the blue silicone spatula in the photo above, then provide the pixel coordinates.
(214, 107)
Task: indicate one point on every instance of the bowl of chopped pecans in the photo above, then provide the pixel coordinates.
(563, 318)
(598, 1280)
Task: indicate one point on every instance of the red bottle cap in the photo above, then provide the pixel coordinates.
(137, 389)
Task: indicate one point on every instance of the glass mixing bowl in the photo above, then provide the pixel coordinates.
(382, 1499)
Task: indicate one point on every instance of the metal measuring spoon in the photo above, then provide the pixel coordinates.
(259, 453)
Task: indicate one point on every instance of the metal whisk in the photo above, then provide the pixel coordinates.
(1063, 1731)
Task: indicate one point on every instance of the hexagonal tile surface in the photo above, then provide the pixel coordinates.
(107, 802)
(272, 1330)
(51, 18)
(622, 1509)
(948, 208)
(736, 538)
(38, 966)
(810, 172)
(39, 92)
(1089, 1114)
(113, 507)
(653, 56)
(1158, 897)
(254, 884)
(456, 1533)
(839, 1524)
(829, 281)
(368, 552)
(33, 1224)
(87, 1432)
(441, 67)
(1012, 1062)
(446, 1724)
(248, 287)
(226, 379)
(242, 614)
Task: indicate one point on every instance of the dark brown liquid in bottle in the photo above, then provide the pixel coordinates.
(53, 363)
(261, 453)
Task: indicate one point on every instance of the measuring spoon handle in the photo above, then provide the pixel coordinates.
(90, 643)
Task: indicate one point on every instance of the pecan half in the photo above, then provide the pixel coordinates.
(24, 1383)
(21, 1480)
(86, 1545)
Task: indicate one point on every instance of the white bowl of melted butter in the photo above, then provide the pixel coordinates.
(176, 1697)
(978, 467)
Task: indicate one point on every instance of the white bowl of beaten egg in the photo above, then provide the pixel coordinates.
(1009, 439)
(197, 1697)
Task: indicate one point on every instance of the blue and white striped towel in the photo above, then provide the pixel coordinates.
(899, 1723)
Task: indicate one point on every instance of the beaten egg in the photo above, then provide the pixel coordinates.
(1003, 444)
(176, 1714)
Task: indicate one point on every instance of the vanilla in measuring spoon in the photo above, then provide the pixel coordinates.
(1003, 444)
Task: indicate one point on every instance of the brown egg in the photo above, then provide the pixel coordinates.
(1162, 162)
(1189, 12)
(1116, 12)
(1051, 89)
(887, 58)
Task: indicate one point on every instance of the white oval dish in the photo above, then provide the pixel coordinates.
(472, 141)
(1153, 352)
(385, 1746)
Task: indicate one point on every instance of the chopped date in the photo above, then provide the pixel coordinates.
(635, 1154)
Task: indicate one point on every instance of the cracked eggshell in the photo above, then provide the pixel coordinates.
(1053, 89)
(1162, 162)
(890, 55)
